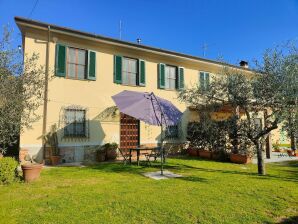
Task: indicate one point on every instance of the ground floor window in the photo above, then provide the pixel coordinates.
(75, 123)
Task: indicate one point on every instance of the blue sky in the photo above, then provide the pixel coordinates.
(232, 29)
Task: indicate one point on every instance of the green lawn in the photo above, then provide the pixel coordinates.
(208, 192)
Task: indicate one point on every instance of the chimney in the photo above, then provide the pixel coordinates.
(243, 64)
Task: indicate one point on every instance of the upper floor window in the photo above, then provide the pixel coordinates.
(204, 81)
(75, 123)
(170, 77)
(76, 63)
(129, 71)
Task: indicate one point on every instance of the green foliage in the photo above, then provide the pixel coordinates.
(218, 136)
(268, 96)
(107, 151)
(21, 90)
(8, 170)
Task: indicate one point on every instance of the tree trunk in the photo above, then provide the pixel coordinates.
(261, 164)
(293, 143)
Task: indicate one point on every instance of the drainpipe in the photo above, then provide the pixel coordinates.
(45, 99)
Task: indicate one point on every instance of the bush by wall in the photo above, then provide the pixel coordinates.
(8, 170)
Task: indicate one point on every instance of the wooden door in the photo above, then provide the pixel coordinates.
(129, 132)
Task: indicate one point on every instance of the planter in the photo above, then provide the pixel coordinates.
(205, 154)
(55, 160)
(241, 159)
(31, 172)
(192, 152)
(111, 154)
(1, 155)
(101, 156)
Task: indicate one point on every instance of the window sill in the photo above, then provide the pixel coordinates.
(128, 85)
(76, 79)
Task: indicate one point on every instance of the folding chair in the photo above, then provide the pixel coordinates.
(125, 154)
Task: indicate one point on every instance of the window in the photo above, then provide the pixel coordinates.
(75, 123)
(170, 77)
(76, 63)
(129, 71)
(172, 131)
(204, 81)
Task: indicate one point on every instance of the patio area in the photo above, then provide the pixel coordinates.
(207, 192)
(277, 157)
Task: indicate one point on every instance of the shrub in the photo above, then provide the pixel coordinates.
(8, 170)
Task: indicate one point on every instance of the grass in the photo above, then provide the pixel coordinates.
(208, 192)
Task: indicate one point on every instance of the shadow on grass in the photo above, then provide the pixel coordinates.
(122, 168)
(290, 220)
(290, 175)
(139, 170)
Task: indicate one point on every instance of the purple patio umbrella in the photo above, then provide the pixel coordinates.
(149, 108)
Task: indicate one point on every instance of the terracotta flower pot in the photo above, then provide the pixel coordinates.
(205, 154)
(192, 152)
(55, 160)
(31, 172)
(241, 159)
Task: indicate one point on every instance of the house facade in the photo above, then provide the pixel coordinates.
(84, 70)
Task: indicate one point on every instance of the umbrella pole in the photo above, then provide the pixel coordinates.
(161, 133)
(161, 150)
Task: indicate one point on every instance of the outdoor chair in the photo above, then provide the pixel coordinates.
(156, 153)
(125, 154)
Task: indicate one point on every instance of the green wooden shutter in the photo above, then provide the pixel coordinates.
(161, 75)
(117, 69)
(207, 81)
(142, 73)
(91, 74)
(60, 68)
(202, 80)
(180, 78)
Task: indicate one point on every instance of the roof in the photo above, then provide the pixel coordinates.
(22, 20)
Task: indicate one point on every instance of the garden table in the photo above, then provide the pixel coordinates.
(138, 150)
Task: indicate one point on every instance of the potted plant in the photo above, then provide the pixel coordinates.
(31, 169)
(242, 156)
(51, 139)
(111, 150)
(192, 151)
(207, 154)
(100, 154)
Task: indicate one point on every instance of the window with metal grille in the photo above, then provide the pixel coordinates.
(129, 71)
(75, 123)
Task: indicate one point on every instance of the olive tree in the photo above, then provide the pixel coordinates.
(21, 90)
(262, 96)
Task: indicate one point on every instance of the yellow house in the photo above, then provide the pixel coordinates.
(84, 70)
